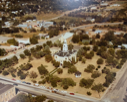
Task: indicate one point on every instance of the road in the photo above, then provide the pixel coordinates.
(117, 90)
(99, 24)
(39, 91)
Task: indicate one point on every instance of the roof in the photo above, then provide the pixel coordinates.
(78, 73)
(5, 87)
(98, 31)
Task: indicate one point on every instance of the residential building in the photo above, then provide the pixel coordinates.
(7, 92)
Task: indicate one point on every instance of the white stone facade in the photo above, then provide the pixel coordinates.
(63, 55)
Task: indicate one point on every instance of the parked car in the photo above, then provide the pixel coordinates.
(18, 81)
(36, 84)
(23, 82)
(14, 79)
(28, 83)
(72, 94)
(15, 84)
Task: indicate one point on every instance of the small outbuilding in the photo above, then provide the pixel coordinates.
(78, 74)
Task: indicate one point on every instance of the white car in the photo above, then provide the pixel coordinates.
(18, 81)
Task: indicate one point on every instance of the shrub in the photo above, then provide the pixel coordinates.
(99, 66)
(5, 73)
(22, 56)
(95, 48)
(95, 74)
(23, 76)
(100, 61)
(27, 52)
(106, 84)
(43, 81)
(13, 75)
(33, 40)
(105, 71)
(87, 83)
(13, 42)
(34, 81)
(18, 36)
(42, 70)
(71, 70)
(48, 58)
(68, 81)
(88, 56)
(83, 60)
(60, 71)
(90, 68)
(65, 87)
(88, 93)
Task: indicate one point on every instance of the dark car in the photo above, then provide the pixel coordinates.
(28, 83)
(15, 84)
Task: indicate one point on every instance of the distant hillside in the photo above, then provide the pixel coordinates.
(53, 5)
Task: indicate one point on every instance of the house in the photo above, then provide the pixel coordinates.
(77, 74)
(45, 36)
(114, 5)
(93, 8)
(90, 19)
(104, 4)
(7, 92)
(23, 41)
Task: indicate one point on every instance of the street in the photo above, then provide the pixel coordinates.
(39, 91)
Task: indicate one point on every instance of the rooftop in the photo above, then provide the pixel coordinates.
(4, 87)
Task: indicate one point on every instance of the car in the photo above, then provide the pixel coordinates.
(14, 79)
(23, 82)
(28, 83)
(18, 81)
(72, 94)
(15, 84)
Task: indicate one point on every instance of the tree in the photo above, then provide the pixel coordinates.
(48, 58)
(95, 48)
(70, 47)
(75, 38)
(27, 52)
(14, 59)
(12, 70)
(68, 82)
(109, 36)
(111, 51)
(100, 61)
(71, 70)
(42, 70)
(22, 56)
(98, 36)
(98, 87)
(13, 42)
(33, 40)
(83, 60)
(33, 74)
(67, 64)
(90, 68)
(87, 83)
(95, 74)
(5, 73)
(60, 71)
(2, 52)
